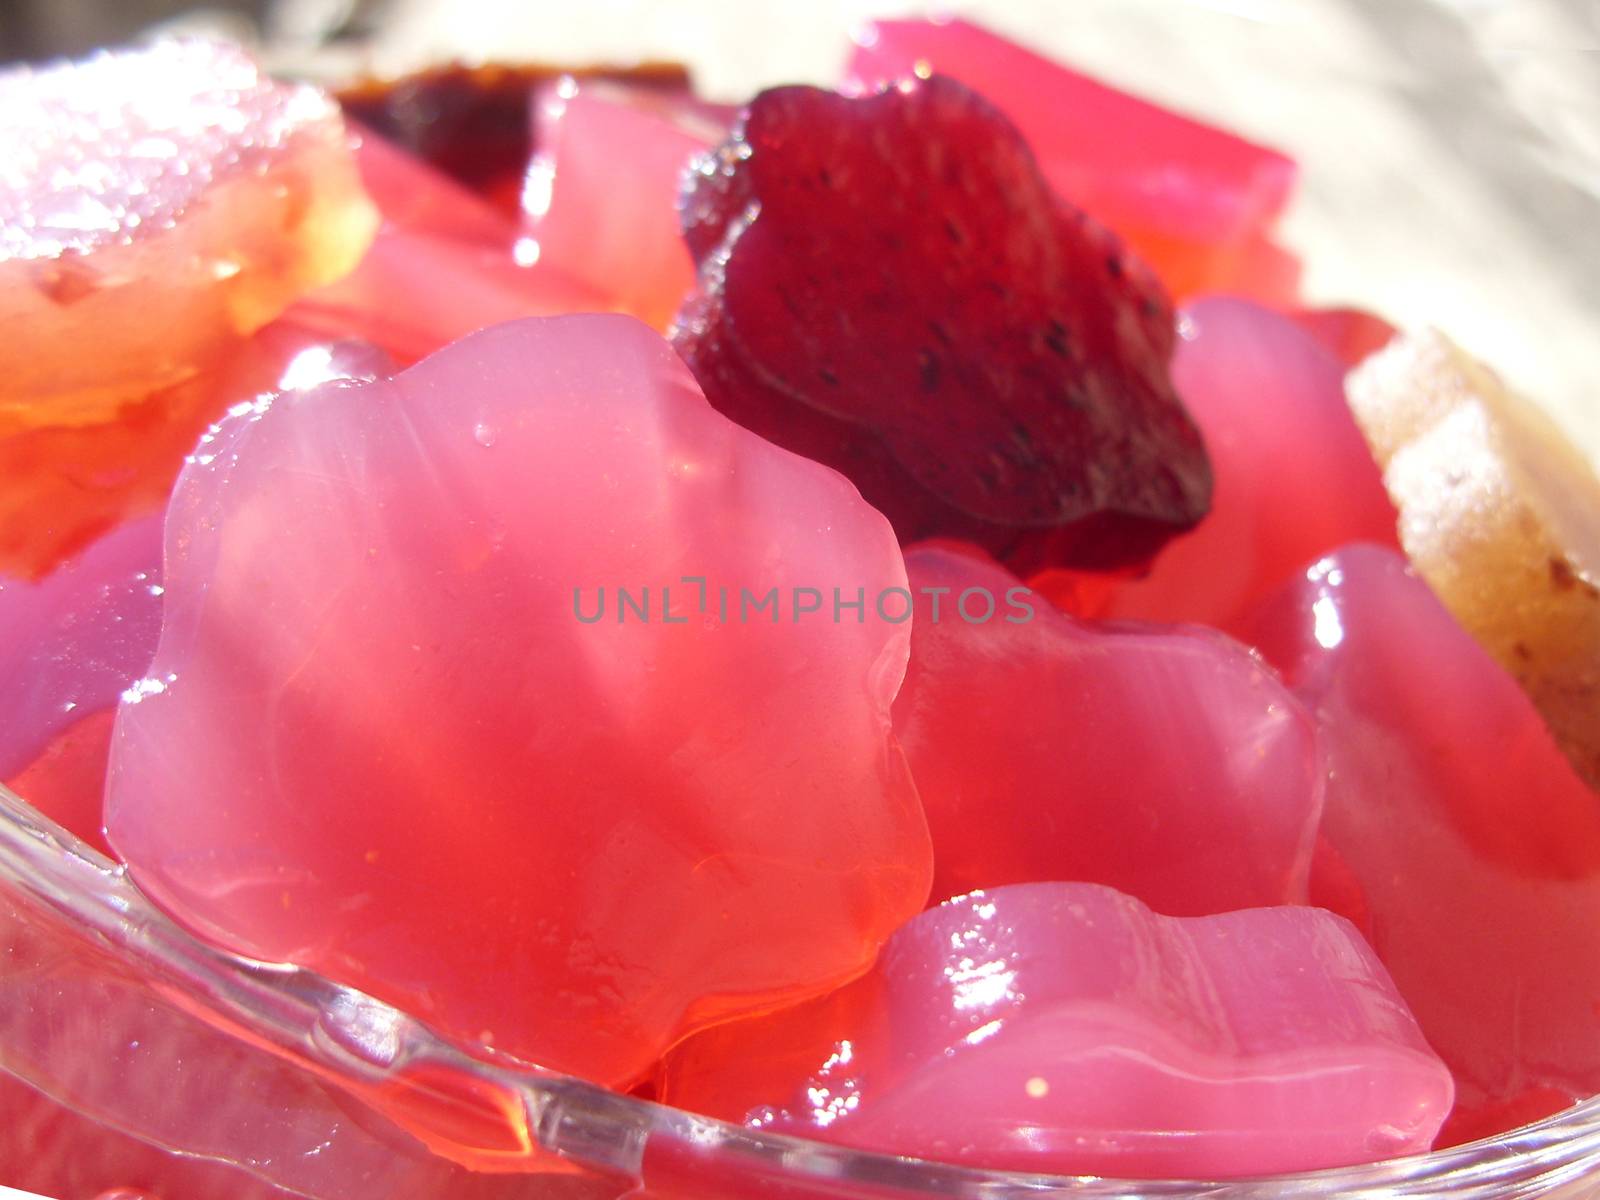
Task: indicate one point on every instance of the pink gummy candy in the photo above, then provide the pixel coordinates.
(1293, 477)
(413, 196)
(601, 195)
(1194, 201)
(48, 1146)
(1066, 1028)
(442, 265)
(1349, 333)
(73, 641)
(70, 643)
(1168, 763)
(386, 735)
(1476, 844)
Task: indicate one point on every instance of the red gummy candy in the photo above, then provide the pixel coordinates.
(1167, 763)
(887, 284)
(415, 759)
(1350, 334)
(71, 644)
(415, 197)
(1476, 844)
(1066, 1028)
(1294, 477)
(68, 781)
(441, 266)
(600, 196)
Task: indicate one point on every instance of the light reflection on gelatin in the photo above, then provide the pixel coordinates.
(1273, 1036)
(1326, 627)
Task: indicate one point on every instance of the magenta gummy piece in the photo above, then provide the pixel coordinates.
(1065, 1028)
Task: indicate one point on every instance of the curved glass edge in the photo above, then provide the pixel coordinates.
(510, 1119)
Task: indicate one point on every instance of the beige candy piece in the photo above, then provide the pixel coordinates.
(158, 205)
(1500, 513)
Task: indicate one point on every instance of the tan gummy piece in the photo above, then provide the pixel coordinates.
(1500, 513)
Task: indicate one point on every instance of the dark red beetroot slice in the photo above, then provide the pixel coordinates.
(1195, 202)
(888, 285)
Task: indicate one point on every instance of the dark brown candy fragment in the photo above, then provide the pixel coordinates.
(474, 122)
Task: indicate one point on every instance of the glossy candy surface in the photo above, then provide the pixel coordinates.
(1194, 201)
(71, 644)
(472, 123)
(1294, 477)
(888, 285)
(441, 266)
(1084, 1034)
(1475, 842)
(1168, 763)
(411, 761)
(1500, 513)
(160, 204)
(172, 198)
(601, 193)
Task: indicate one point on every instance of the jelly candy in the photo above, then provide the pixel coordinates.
(1166, 762)
(1475, 843)
(413, 757)
(1084, 1034)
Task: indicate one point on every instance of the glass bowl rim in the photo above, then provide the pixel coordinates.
(297, 1015)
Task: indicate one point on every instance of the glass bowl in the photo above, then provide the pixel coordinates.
(258, 1074)
(1469, 202)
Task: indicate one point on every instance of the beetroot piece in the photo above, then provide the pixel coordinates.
(888, 285)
